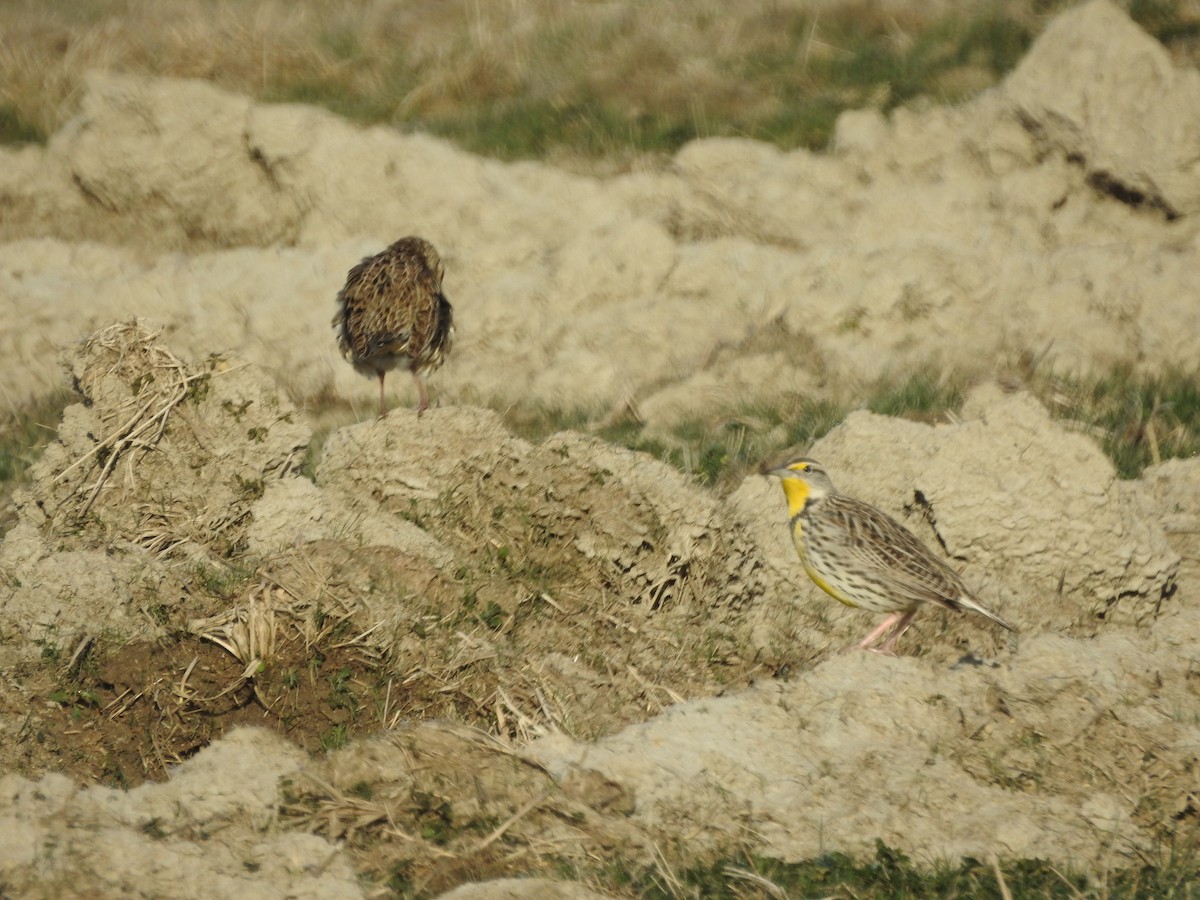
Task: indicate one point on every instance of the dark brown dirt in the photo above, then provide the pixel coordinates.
(131, 713)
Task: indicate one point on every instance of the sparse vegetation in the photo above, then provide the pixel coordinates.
(893, 874)
(543, 78)
(319, 678)
(1140, 419)
(24, 433)
(923, 396)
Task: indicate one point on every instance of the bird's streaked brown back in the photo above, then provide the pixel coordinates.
(392, 309)
(880, 544)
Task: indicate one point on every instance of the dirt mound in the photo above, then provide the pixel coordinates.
(1038, 514)
(63, 841)
(1100, 122)
(570, 645)
(993, 732)
(162, 460)
(1057, 751)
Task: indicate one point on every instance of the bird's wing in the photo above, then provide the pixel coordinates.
(883, 546)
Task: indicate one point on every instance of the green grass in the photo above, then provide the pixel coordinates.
(1140, 419)
(26, 431)
(891, 874)
(721, 451)
(924, 396)
(14, 129)
(24, 434)
(798, 72)
(1166, 20)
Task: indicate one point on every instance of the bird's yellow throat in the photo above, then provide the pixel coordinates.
(797, 492)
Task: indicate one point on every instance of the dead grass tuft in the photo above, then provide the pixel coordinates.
(159, 383)
(157, 451)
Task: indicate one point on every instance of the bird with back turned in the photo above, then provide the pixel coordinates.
(392, 313)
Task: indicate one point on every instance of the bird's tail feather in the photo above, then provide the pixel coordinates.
(968, 603)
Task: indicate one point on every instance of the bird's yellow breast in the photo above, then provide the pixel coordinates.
(817, 577)
(828, 588)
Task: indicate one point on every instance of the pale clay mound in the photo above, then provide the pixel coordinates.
(1030, 745)
(680, 292)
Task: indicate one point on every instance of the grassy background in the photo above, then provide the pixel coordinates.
(597, 83)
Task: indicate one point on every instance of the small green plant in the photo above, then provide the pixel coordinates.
(50, 652)
(399, 879)
(198, 388)
(341, 695)
(249, 489)
(237, 410)
(492, 616)
(113, 773)
(436, 817)
(335, 738)
(154, 829)
(224, 581)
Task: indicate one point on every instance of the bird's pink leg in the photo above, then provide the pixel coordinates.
(382, 406)
(901, 627)
(423, 401)
(865, 643)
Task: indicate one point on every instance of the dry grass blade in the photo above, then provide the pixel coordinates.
(341, 817)
(770, 888)
(248, 633)
(317, 612)
(511, 820)
(1003, 885)
(524, 728)
(670, 880)
(651, 688)
(182, 692)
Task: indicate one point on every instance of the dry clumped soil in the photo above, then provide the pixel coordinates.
(445, 654)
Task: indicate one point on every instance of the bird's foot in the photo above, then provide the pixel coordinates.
(882, 651)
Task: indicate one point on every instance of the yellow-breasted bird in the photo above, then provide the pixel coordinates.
(864, 558)
(392, 312)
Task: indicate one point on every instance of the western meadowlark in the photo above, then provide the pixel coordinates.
(392, 312)
(863, 557)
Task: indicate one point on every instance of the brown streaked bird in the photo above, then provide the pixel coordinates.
(864, 558)
(392, 312)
